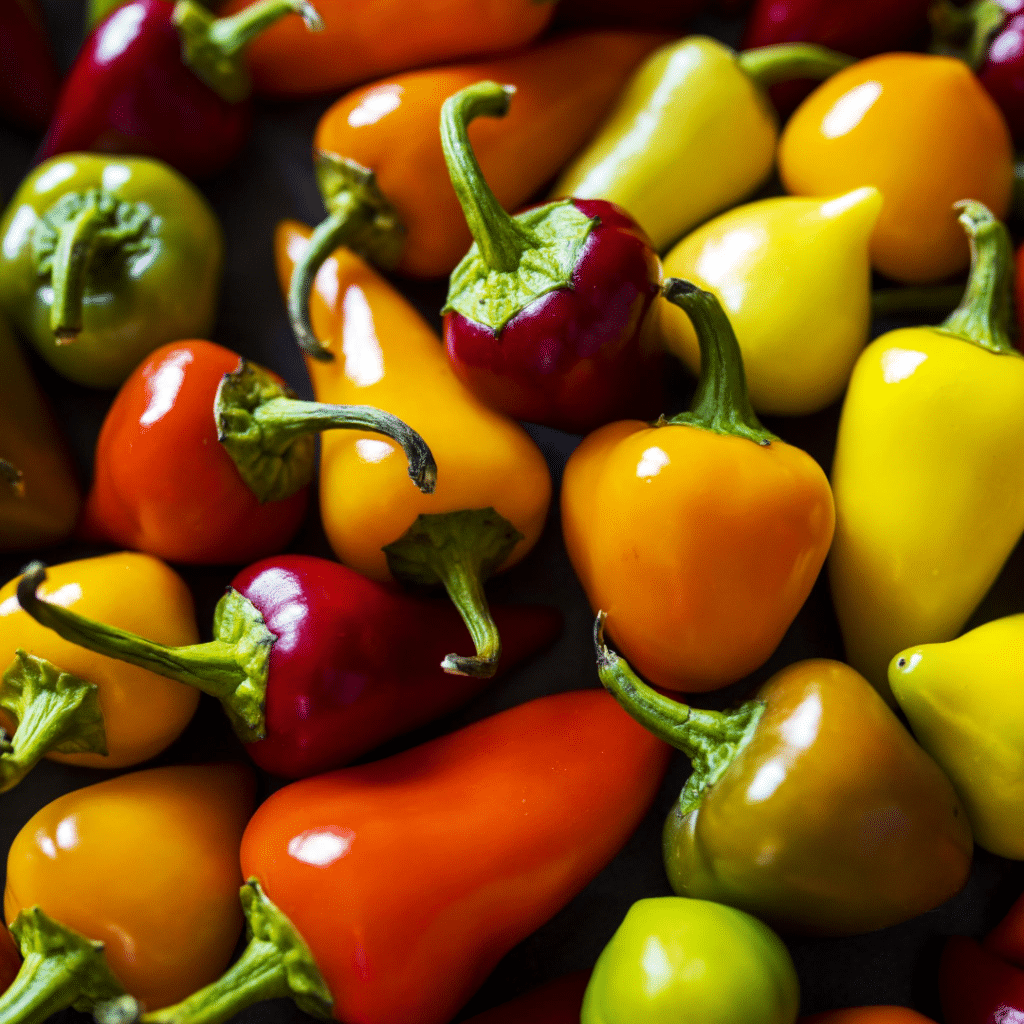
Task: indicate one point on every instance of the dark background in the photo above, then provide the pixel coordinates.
(273, 179)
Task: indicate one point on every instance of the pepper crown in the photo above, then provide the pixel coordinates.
(769, 65)
(85, 237)
(214, 48)
(268, 433)
(710, 739)
(360, 217)
(721, 403)
(459, 550)
(233, 667)
(985, 314)
(513, 260)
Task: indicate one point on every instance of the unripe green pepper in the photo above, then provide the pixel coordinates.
(103, 259)
(681, 961)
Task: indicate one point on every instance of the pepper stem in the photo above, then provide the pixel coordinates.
(213, 47)
(936, 299)
(769, 65)
(13, 478)
(985, 314)
(710, 739)
(55, 711)
(721, 403)
(965, 32)
(459, 550)
(233, 667)
(60, 968)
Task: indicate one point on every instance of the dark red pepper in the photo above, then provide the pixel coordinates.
(1001, 70)
(29, 80)
(165, 80)
(557, 1002)
(546, 315)
(314, 663)
(976, 987)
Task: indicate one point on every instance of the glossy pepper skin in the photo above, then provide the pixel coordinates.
(809, 806)
(683, 961)
(29, 80)
(976, 986)
(700, 536)
(953, 145)
(105, 259)
(361, 41)
(409, 878)
(166, 929)
(546, 314)
(557, 1002)
(163, 80)
(795, 279)
(39, 496)
(936, 415)
(1006, 940)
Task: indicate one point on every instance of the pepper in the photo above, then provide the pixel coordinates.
(868, 1015)
(29, 80)
(91, 923)
(393, 888)
(493, 485)
(103, 260)
(693, 133)
(39, 497)
(163, 484)
(809, 805)
(1006, 940)
(381, 168)
(545, 314)
(976, 987)
(683, 961)
(10, 960)
(701, 535)
(557, 1002)
(361, 42)
(923, 131)
(166, 81)
(934, 415)
(314, 664)
(81, 709)
(795, 279)
(667, 14)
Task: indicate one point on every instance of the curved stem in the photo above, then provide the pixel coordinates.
(938, 299)
(71, 260)
(13, 478)
(769, 65)
(501, 239)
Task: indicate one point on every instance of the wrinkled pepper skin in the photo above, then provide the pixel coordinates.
(29, 80)
(42, 508)
(976, 987)
(147, 864)
(143, 713)
(363, 41)
(868, 1015)
(557, 1002)
(953, 144)
(680, 961)
(161, 286)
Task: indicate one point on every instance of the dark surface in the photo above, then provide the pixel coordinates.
(274, 179)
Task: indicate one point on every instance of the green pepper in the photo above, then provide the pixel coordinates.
(684, 961)
(103, 259)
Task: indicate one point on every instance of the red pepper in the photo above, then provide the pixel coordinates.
(977, 987)
(1006, 940)
(557, 1002)
(165, 80)
(1002, 68)
(314, 663)
(163, 484)
(10, 961)
(29, 80)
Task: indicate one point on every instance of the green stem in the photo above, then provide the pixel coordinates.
(721, 403)
(55, 712)
(13, 478)
(233, 667)
(965, 32)
(501, 239)
(769, 65)
(985, 314)
(76, 246)
(710, 739)
(938, 299)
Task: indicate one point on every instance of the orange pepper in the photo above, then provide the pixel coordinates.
(923, 131)
(363, 39)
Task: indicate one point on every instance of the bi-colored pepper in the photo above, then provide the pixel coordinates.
(794, 277)
(809, 805)
(928, 457)
(29, 80)
(103, 259)
(702, 535)
(493, 485)
(145, 864)
(404, 881)
(924, 132)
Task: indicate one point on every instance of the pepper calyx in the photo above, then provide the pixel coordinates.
(783, 62)
(459, 550)
(965, 32)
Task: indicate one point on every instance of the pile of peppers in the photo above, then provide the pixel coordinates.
(578, 577)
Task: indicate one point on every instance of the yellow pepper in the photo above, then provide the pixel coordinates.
(794, 277)
(965, 702)
(928, 468)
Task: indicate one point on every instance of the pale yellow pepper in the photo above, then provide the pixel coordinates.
(965, 703)
(794, 275)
